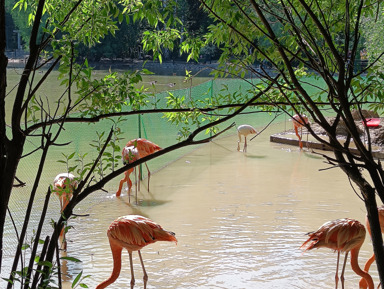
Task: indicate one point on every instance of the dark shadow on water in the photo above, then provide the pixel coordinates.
(221, 146)
(312, 156)
(254, 156)
(135, 209)
(151, 203)
(141, 203)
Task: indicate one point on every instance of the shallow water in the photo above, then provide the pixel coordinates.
(240, 219)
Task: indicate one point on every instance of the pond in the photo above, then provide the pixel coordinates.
(240, 219)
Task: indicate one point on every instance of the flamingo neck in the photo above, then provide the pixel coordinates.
(369, 263)
(116, 254)
(356, 268)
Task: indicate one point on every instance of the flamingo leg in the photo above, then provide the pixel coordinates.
(63, 203)
(129, 182)
(238, 142)
(131, 265)
(129, 195)
(61, 211)
(245, 144)
(137, 181)
(337, 269)
(342, 271)
(149, 174)
(145, 278)
(123, 180)
(297, 133)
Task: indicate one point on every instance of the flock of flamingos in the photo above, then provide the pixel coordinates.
(133, 232)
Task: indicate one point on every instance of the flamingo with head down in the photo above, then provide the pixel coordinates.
(132, 232)
(133, 150)
(342, 235)
(130, 154)
(244, 130)
(63, 186)
(299, 120)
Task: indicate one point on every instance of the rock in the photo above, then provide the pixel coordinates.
(342, 130)
(377, 136)
(366, 114)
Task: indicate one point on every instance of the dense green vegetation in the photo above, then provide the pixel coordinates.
(126, 40)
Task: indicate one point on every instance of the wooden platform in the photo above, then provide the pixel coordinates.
(288, 138)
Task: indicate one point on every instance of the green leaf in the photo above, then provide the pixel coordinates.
(77, 279)
(73, 259)
(45, 263)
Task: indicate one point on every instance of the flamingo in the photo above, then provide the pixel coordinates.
(342, 235)
(299, 120)
(130, 154)
(144, 148)
(132, 232)
(63, 186)
(369, 262)
(244, 130)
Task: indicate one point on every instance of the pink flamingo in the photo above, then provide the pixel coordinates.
(132, 232)
(341, 235)
(136, 149)
(244, 130)
(63, 186)
(299, 120)
(130, 154)
(369, 262)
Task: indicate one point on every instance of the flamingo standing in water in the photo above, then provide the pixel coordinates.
(132, 232)
(130, 154)
(63, 186)
(299, 120)
(369, 262)
(244, 130)
(143, 148)
(342, 235)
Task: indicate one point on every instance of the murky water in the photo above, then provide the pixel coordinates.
(240, 219)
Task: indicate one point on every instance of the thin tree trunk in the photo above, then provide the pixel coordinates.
(3, 84)
(377, 240)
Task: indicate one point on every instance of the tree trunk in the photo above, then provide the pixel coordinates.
(4, 186)
(377, 240)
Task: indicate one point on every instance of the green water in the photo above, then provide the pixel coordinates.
(80, 137)
(152, 126)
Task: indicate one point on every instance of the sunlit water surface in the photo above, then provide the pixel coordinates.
(240, 219)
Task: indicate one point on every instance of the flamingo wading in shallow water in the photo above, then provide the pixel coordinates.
(133, 150)
(63, 186)
(130, 154)
(244, 130)
(132, 232)
(299, 120)
(342, 235)
(369, 262)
